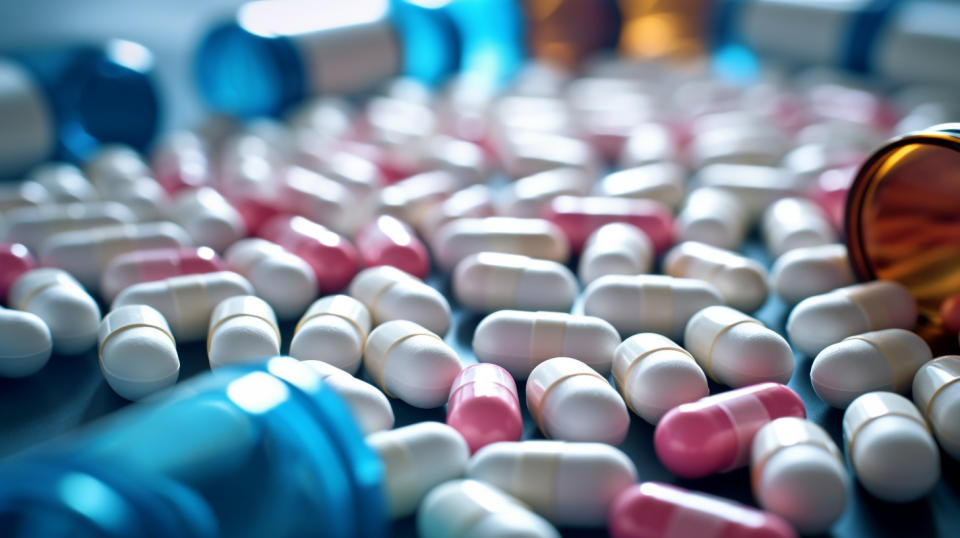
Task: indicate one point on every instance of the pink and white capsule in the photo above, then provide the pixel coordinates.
(390, 294)
(139, 266)
(138, 355)
(484, 406)
(281, 278)
(490, 281)
(243, 329)
(742, 282)
(61, 302)
(333, 330)
(617, 248)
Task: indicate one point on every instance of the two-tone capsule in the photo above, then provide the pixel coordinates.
(243, 329)
(26, 343)
(807, 271)
(484, 406)
(391, 294)
(281, 278)
(536, 238)
(491, 281)
(615, 249)
(333, 330)
(334, 260)
(742, 282)
(148, 265)
(138, 355)
(937, 394)
(474, 509)
(61, 302)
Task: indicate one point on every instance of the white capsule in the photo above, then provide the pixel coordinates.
(880, 360)
(412, 199)
(138, 355)
(794, 223)
(475, 201)
(536, 238)
(808, 271)
(243, 329)
(755, 187)
(754, 145)
(474, 509)
(281, 278)
(648, 303)
(411, 363)
(390, 294)
(333, 330)
(114, 164)
(713, 216)
(570, 401)
(33, 225)
(567, 483)
(648, 143)
(937, 394)
(62, 303)
(525, 153)
(143, 195)
(742, 282)
(86, 253)
(826, 319)
(662, 181)
(25, 343)
(798, 473)
(519, 341)
(369, 406)
(736, 349)
(490, 281)
(186, 301)
(461, 158)
(318, 198)
(527, 197)
(209, 219)
(65, 182)
(655, 375)
(23, 194)
(890, 447)
(617, 248)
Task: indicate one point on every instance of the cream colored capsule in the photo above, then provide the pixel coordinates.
(243, 329)
(25, 343)
(209, 218)
(528, 196)
(333, 330)
(490, 281)
(281, 278)
(65, 182)
(736, 349)
(186, 302)
(390, 294)
(61, 302)
(937, 394)
(807, 271)
(567, 483)
(138, 355)
(755, 187)
(798, 473)
(826, 319)
(518, 341)
(880, 360)
(411, 363)
(660, 181)
(570, 401)
(654, 375)
(742, 282)
(617, 248)
(794, 223)
(369, 406)
(890, 447)
(713, 216)
(474, 509)
(33, 225)
(536, 238)
(648, 303)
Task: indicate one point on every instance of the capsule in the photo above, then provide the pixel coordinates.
(567, 483)
(879, 360)
(65, 183)
(243, 329)
(525, 153)
(617, 248)
(826, 319)
(797, 472)
(412, 199)
(411, 363)
(369, 406)
(527, 197)
(26, 344)
(333, 330)
(745, 144)
(138, 355)
(654, 375)
(648, 303)
(742, 282)
(736, 349)
(570, 401)
(209, 218)
(474, 509)
(484, 406)
(578, 217)
(180, 162)
(86, 253)
(653, 510)
(113, 165)
(713, 434)
(34, 225)
(416, 459)
(388, 241)
(890, 447)
(807, 271)
(61, 302)
(536, 238)
(389, 294)
(316, 197)
(148, 265)
(794, 223)
(937, 395)
(518, 341)
(490, 281)
(278, 276)
(475, 201)
(713, 216)
(334, 260)
(15, 260)
(23, 194)
(659, 181)
(754, 187)
(186, 302)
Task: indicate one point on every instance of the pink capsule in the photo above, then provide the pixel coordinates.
(653, 510)
(388, 241)
(484, 406)
(255, 210)
(580, 216)
(713, 434)
(150, 265)
(180, 162)
(334, 259)
(15, 260)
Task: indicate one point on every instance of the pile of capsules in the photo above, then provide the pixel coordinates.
(337, 216)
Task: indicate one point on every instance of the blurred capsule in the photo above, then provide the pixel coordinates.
(713, 216)
(15, 259)
(475, 201)
(793, 223)
(146, 265)
(23, 194)
(65, 182)
(755, 187)
(649, 143)
(536, 238)
(318, 198)
(662, 182)
(578, 217)
(388, 241)
(179, 161)
(334, 259)
(474, 509)
(529, 196)
(34, 225)
(411, 199)
(209, 218)
(528, 153)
